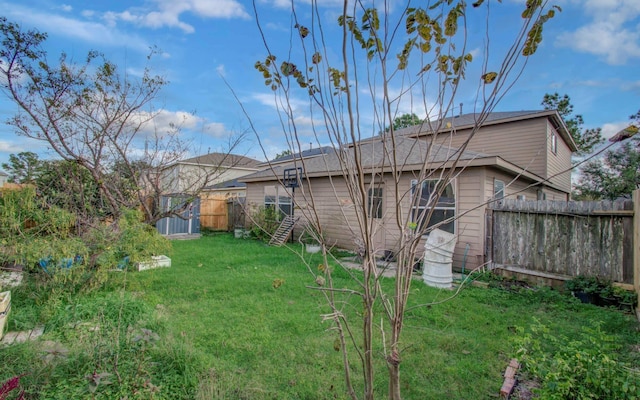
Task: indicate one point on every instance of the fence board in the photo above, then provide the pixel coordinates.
(564, 238)
(213, 213)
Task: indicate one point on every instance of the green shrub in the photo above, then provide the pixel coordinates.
(265, 223)
(128, 237)
(586, 284)
(582, 367)
(41, 236)
(31, 231)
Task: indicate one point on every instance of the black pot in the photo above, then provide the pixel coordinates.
(584, 297)
(608, 301)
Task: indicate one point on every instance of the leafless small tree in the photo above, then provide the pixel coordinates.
(423, 54)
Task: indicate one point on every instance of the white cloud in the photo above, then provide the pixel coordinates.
(168, 13)
(215, 129)
(165, 121)
(220, 70)
(66, 8)
(612, 33)
(10, 147)
(91, 32)
(610, 129)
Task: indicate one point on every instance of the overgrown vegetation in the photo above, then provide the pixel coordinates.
(264, 222)
(38, 235)
(585, 365)
(236, 319)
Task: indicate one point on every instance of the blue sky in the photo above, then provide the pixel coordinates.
(591, 51)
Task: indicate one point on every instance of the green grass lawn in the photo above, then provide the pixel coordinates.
(223, 331)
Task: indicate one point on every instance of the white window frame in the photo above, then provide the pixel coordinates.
(442, 205)
(554, 143)
(278, 198)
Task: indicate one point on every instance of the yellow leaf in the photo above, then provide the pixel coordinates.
(489, 77)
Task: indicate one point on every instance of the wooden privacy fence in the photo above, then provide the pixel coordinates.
(222, 213)
(562, 239)
(213, 212)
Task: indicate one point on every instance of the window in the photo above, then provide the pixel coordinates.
(443, 210)
(554, 143)
(277, 198)
(541, 195)
(498, 189)
(284, 204)
(374, 200)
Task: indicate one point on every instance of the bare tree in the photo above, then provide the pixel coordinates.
(419, 58)
(91, 114)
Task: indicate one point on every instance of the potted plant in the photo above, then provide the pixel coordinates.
(606, 294)
(311, 239)
(238, 232)
(627, 299)
(584, 288)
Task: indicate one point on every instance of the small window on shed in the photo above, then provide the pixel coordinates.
(554, 143)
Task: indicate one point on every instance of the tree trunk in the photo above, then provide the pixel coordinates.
(368, 300)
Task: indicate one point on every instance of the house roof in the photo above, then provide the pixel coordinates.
(223, 160)
(375, 154)
(467, 121)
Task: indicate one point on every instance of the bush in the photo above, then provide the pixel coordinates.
(110, 243)
(31, 231)
(265, 223)
(582, 367)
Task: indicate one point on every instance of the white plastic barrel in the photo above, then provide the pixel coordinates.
(438, 256)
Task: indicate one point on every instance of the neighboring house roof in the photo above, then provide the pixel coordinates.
(466, 121)
(303, 154)
(222, 160)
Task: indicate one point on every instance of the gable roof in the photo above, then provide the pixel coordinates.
(222, 160)
(468, 121)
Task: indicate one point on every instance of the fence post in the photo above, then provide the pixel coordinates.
(636, 247)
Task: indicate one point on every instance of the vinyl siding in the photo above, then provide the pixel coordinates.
(522, 143)
(187, 178)
(473, 188)
(558, 164)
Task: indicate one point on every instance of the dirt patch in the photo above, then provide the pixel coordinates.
(524, 390)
